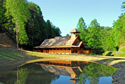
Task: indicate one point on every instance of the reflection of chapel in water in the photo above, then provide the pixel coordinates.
(68, 68)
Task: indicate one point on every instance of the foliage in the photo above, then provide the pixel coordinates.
(123, 5)
(37, 29)
(37, 75)
(23, 22)
(22, 76)
(35, 26)
(67, 35)
(101, 38)
(94, 71)
(81, 26)
(122, 48)
(2, 11)
(19, 11)
(94, 36)
(107, 39)
(119, 31)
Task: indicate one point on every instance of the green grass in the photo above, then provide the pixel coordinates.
(1, 83)
(9, 54)
(92, 54)
(118, 54)
(71, 57)
(114, 54)
(122, 48)
(107, 53)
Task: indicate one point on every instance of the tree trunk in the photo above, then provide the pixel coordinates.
(17, 35)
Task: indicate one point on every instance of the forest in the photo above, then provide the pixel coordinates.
(23, 22)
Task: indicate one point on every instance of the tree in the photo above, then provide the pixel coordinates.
(107, 39)
(92, 72)
(56, 31)
(119, 31)
(67, 35)
(2, 11)
(37, 29)
(36, 26)
(19, 11)
(50, 29)
(81, 26)
(94, 35)
(123, 5)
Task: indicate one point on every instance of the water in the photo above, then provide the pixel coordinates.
(59, 72)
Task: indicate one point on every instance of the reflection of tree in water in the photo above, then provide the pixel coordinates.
(22, 75)
(36, 75)
(8, 77)
(93, 72)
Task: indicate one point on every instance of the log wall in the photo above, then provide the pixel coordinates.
(57, 50)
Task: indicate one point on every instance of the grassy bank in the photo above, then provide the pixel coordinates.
(114, 53)
(108, 60)
(11, 58)
(9, 53)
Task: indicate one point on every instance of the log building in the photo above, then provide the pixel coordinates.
(65, 44)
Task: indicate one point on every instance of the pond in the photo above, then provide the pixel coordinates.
(59, 72)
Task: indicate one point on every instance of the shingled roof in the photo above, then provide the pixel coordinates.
(61, 42)
(66, 41)
(75, 31)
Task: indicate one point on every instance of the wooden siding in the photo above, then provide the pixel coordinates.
(57, 50)
(63, 50)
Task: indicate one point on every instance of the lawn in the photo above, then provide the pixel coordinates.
(66, 57)
(108, 60)
(9, 53)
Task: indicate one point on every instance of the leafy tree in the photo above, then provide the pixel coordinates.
(81, 26)
(2, 11)
(107, 39)
(123, 5)
(19, 11)
(94, 35)
(67, 35)
(119, 31)
(50, 30)
(56, 31)
(37, 29)
(36, 26)
(93, 72)
(22, 76)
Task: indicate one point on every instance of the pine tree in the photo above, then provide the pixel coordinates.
(81, 26)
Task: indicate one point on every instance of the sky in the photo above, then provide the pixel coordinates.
(66, 13)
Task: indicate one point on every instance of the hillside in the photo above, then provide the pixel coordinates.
(5, 41)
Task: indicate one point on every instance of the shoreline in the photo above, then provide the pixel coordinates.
(117, 62)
